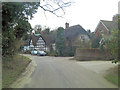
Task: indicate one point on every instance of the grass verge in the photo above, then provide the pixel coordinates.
(112, 75)
(13, 68)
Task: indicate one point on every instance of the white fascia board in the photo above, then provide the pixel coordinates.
(104, 25)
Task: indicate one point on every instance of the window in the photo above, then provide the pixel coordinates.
(82, 38)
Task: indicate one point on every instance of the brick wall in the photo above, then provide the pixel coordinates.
(92, 54)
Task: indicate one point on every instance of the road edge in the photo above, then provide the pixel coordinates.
(25, 76)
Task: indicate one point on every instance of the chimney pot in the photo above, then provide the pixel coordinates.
(66, 25)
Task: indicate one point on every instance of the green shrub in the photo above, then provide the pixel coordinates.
(52, 53)
(6, 58)
(68, 52)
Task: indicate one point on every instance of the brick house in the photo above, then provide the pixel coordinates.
(104, 27)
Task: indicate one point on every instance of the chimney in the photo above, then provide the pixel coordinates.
(66, 25)
(115, 18)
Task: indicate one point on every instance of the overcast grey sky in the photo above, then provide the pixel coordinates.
(87, 13)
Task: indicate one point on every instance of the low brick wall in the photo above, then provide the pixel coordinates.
(92, 54)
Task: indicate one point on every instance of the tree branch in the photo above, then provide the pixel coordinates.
(60, 6)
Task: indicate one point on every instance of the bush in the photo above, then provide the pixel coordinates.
(68, 52)
(95, 42)
(6, 58)
(53, 53)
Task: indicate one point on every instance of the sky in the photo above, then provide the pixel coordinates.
(86, 13)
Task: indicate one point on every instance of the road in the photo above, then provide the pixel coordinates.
(60, 72)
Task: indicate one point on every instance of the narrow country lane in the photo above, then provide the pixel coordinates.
(60, 72)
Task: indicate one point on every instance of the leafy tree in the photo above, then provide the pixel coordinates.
(69, 51)
(95, 42)
(15, 16)
(15, 23)
(47, 31)
(60, 41)
(119, 38)
(111, 43)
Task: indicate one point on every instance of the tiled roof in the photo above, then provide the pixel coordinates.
(110, 24)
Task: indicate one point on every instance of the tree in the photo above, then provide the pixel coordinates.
(111, 43)
(47, 30)
(119, 37)
(15, 23)
(95, 42)
(46, 35)
(60, 41)
(55, 7)
(15, 16)
(38, 29)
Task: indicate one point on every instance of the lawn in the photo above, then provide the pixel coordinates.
(12, 68)
(112, 75)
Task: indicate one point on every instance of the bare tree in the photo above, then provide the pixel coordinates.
(38, 28)
(54, 6)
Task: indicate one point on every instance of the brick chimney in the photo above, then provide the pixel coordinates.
(66, 25)
(115, 18)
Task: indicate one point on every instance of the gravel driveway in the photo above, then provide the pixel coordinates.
(99, 67)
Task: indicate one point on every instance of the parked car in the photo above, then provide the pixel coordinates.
(34, 52)
(41, 53)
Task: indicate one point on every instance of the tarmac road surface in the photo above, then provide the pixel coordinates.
(60, 72)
